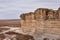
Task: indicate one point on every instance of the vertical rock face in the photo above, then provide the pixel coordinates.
(58, 11)
(40, 13)
(28, 24)
(27, 16)
(41, 21)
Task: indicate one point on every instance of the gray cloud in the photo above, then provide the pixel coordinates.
(48, 1)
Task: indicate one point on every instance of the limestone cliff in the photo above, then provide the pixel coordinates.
(42, 20)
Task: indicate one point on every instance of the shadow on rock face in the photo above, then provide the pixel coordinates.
(46, 39)
(2, 36)
(25, 37)
(20, 36)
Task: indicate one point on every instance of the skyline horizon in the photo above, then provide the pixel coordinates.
(26, 12)
(11, 9)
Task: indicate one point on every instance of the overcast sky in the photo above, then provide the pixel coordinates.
(11, 9)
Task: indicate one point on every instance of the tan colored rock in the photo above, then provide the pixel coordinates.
(42, 20)
(41, 13)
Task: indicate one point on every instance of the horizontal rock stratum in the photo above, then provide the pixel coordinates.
(42, 20)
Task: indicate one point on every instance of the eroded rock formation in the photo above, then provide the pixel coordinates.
(41, 21)
(42, 24)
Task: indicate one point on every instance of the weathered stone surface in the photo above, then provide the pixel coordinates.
(41, 21)
(15, 36)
